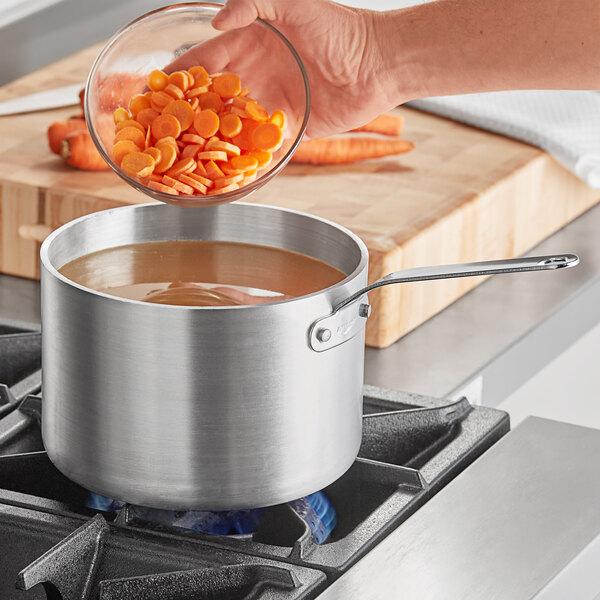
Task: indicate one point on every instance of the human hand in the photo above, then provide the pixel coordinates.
(337, 45)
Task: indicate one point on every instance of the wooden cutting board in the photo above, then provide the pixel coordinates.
(462, 195)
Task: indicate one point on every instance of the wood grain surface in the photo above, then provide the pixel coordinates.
(463, 194)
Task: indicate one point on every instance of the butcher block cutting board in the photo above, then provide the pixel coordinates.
(462, 195)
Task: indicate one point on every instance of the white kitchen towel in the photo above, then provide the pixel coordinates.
(565, 123)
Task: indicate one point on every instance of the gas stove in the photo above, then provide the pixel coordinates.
(52, 545)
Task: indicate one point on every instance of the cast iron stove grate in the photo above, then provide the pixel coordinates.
(412, 446)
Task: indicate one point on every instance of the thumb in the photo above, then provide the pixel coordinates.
(240, 13)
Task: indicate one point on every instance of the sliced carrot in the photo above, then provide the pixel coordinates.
(244, 163)
(191, 150)
(229, 170)
(211, 100)
(263, 157)
(133, 134)
(183, 188)
(200, 75)
(146, 116)
(192, 138)
(168, 155)
(244, 139)
(225, 181)
(229, 149)
(240, 102)
(129, 123)
(267, 136)
(212, 155)
(123, 147)
(137, 103)
(185, 165)
(178, 185)
(189, 180)
(196, 91)
(154, 153)
(182, 111)
(166, 125)
(223, 190)
(227, 85)
(121, 114)
(342, 150)
(206, 123)
(161, 99)
(168, 180)
(212, 170)
(174, 91)
(279, 118)
(170, 141)
(157, 80)
(138, 164)
(240, 112)
(208, 120)
(200, 170)
(161, 187)
(255, 111)
(180, 79)
(205, 181)
(230, 125)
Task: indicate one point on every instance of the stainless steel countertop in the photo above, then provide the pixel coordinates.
(520, 522)
(497, 336)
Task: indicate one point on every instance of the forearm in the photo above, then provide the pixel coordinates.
(463, 46)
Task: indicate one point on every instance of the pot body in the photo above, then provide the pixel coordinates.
(199, 407)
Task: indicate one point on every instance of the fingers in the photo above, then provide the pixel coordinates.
(240, 13)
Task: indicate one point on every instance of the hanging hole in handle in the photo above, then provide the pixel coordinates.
(559, 261)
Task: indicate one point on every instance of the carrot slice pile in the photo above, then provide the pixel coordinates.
(195, 133)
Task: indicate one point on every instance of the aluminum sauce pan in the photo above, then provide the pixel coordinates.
(199, 407)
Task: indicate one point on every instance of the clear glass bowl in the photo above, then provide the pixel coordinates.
(180, 36)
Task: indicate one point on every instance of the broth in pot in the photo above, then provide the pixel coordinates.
(202, 273)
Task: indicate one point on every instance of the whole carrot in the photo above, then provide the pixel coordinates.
(79, 151)
(386, 124)
(60, 129)
(342, 150)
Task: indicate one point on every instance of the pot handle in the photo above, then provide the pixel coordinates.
(346, 318)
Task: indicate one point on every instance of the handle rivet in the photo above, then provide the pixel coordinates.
(323, 335)
(364, 310)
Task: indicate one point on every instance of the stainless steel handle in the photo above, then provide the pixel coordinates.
(345, 320)
(488, 267)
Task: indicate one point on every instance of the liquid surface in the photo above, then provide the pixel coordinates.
(202, 273)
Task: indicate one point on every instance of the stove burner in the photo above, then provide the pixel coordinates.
(316, 509)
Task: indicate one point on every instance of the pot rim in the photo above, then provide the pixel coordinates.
(52, 270)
